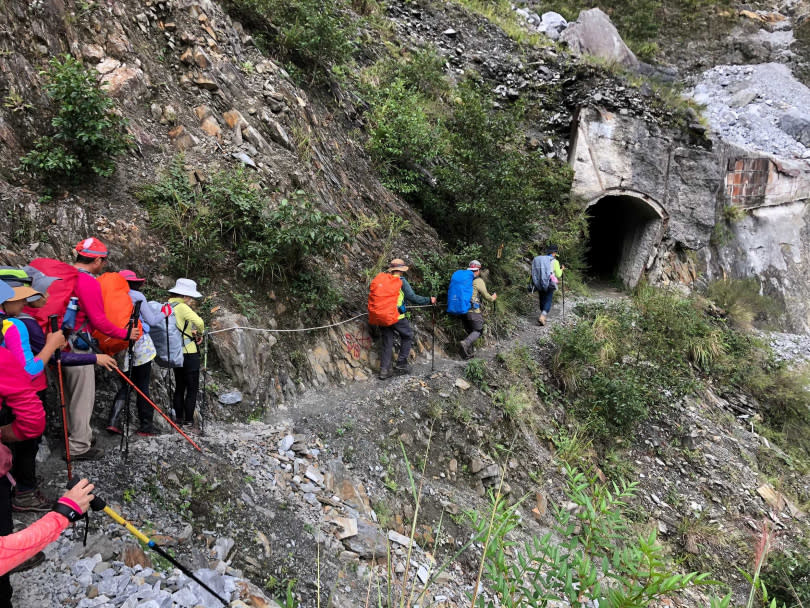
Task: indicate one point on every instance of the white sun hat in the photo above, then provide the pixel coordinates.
(185, 287)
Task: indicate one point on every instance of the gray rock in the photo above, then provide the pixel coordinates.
(552, 25)
(369, 542)
(742, 98)
(797, 126)
(245, 355)
(244, 159)
(230, 398)
(593, 34)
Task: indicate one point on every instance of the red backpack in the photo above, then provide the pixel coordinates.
(117, 308)
(383, 295)
(59, 292)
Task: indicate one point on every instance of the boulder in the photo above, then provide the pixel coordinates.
(797, 126)
(125, 82)
(593, 34)
(369, 542)
(552, 25)
(245, 354)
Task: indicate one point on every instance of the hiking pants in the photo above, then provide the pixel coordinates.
(141, 374)
(187, 382)
(546, 296)
(403, 328)
(474, 325)
(6, 528)
(80, 395)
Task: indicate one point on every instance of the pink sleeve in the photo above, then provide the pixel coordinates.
(20, 395)
(92, 304)
(18, 547)
(13, 343)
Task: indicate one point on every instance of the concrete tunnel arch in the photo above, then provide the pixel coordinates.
(623, 227)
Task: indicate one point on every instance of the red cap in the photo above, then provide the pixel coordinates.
(131, 276)
(91, 248)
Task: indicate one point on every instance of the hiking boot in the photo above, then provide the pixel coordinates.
(542, 319)
(465, 350)
(113, 430)
(91, 454)
(32, 562)
(31, 500)
(385, 374)
(402, 369)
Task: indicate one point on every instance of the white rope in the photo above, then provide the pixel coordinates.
(303, 329)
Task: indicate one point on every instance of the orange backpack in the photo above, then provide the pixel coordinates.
(383, 295)
(117, 308)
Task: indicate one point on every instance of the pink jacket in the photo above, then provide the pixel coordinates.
(18, 547)
(91, 308)
(18, 393)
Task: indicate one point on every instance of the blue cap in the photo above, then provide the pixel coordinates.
(6, 291)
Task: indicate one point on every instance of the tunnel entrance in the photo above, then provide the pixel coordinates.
(622, 229)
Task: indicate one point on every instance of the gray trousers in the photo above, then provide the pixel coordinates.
(403, 328)
(80, 395)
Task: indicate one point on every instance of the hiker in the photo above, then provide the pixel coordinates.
(19, 547)
(546, 273)
(397, 268)
(143, 351)
(80, 381)
(17, 394)
(19, 329)
(474, 320)
(187, 378)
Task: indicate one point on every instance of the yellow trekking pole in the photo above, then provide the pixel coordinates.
(99, 504)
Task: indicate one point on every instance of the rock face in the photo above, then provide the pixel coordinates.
(244, 354)
(593, 34)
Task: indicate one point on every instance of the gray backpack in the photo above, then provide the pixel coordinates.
(541, 272)
(167, 337)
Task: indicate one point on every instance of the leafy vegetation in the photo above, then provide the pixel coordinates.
(598, 561)
(312, 34)
(231, 221)
(87, 133)
(459, 158)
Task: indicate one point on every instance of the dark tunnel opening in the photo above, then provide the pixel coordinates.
(621, 230)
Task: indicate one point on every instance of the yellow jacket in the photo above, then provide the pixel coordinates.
(190, 320)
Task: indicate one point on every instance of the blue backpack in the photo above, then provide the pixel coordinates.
(459, 294)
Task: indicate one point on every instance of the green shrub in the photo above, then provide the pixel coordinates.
(741, 300)
(512, 400)
(787, 578)
(597, 562)
(313, 34)
(231, 222)
(476, 372)
(87, 133)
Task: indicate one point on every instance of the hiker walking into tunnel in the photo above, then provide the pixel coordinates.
(546, 274)
(143, 352)
(474, 319)
(404, 294)
(191, 326)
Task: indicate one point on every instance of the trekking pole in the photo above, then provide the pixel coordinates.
(166, 309)
(562, 288)
(54, 328)
(205, 380)
(99, 504)
(433, 338)
(152, 403)
(132, 321)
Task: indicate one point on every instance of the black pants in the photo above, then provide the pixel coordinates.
(6, 528)
(141, 375)
(403, 328)
(474, 325)
(24, 454)
(187, 384)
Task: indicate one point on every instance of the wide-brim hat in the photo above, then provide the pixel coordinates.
(23, 292)
(6, 291)
(131, 276)
(398, 265)
(185, 287)
(39, 280)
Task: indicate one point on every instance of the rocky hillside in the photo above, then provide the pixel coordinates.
(318, 484)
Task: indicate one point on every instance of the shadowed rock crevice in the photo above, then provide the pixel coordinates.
(622, 230)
